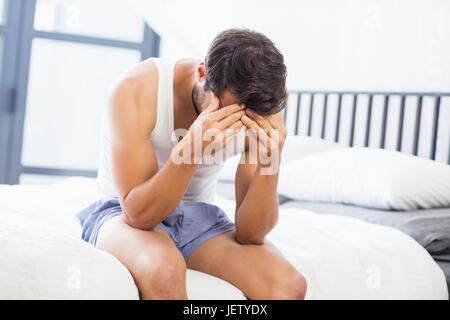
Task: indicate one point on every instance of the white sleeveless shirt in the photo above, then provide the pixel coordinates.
(203, 184)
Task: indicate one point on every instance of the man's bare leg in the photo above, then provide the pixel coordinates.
(260, 272)
(157, 267)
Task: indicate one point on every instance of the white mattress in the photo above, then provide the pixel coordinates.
(341, 257)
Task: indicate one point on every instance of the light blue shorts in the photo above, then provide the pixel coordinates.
(189, 225)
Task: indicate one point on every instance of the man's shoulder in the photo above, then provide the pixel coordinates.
(140, 81)
(135, 94)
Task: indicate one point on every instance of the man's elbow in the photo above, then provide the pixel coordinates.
(137, 223)
(250, 238)
(139, 220)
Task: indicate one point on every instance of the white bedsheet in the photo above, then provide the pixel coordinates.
(342, 258)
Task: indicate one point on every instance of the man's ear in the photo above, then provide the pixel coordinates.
(201, 72)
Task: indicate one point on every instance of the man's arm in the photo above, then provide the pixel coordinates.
(256, 204)
(256, 193)
(148, 195)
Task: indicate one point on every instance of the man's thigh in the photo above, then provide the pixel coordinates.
(134, 247)
(251, 268)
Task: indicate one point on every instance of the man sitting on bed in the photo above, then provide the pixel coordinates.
(155, 213)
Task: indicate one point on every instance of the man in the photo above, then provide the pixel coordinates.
(155, 214)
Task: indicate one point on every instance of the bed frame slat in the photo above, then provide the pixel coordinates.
(338, 118)
(384, 122)
(352, 126)
(297, 114)
(324, 115)
(311, 114)
(417, 125)
(401, 120)
(369, 118)
(448, 160)
(434, 136)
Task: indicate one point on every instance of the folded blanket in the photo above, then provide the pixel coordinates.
(432, 233)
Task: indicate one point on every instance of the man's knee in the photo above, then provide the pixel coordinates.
(287, 285)
(161, 276)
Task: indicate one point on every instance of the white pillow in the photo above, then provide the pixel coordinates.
(367, 177)
(294, 147)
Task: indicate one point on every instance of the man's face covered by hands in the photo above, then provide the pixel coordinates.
(202, 98)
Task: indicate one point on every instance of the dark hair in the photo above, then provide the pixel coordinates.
(248, 64)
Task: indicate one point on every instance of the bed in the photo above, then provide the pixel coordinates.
(344, 251)
(341, 257)
(382, 120)
(394, 219)
(417, 123)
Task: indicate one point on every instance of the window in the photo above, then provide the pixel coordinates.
(70, 102)
(2, 12)
(81, 17)
(67, 56)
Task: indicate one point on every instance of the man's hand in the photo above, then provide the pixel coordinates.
(212, 130)
(269, 133)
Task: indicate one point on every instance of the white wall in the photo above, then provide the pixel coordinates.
(329, 44)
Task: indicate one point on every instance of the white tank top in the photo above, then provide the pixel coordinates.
(203, 184)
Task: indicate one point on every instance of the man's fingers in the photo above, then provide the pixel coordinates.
(232, 118)
(231, 132)
(250, 123)
(260, 120)
(226, 111)
(234, 128)
(224, 137)
(276, 120)
(256, 129)
(261, 146)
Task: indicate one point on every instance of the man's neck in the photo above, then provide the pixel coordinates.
(184, 81)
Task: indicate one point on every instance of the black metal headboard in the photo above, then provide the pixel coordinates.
(409, 104)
